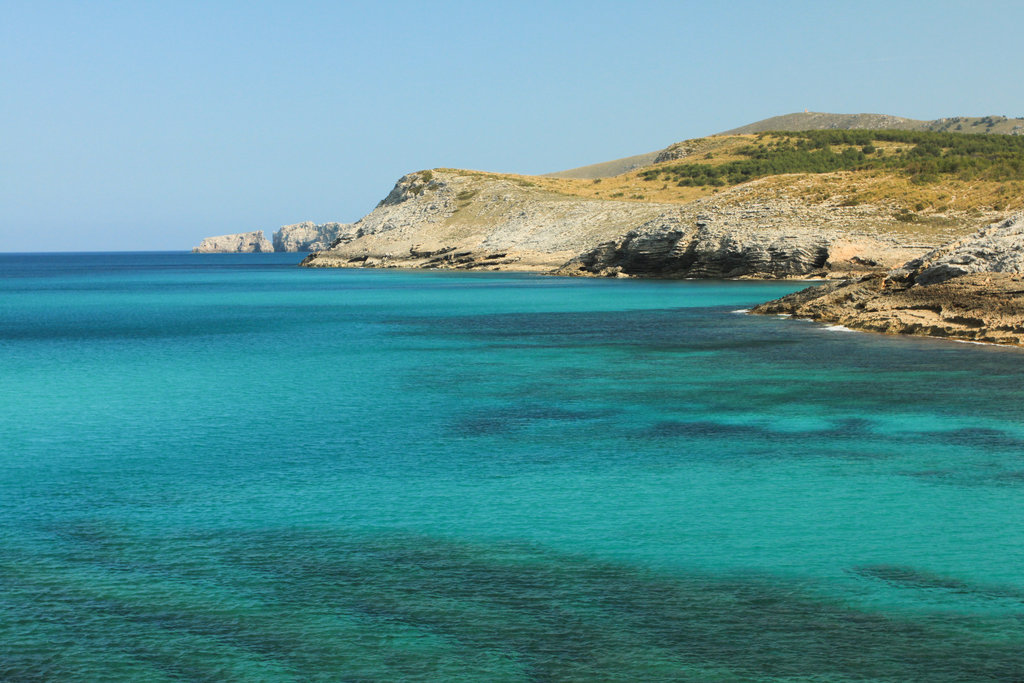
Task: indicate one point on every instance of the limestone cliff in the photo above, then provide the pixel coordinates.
(307, 236)
(244, 242)
(971, 289)
(461, 219)
(736, 237)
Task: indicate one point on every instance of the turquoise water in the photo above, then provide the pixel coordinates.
(228, 468)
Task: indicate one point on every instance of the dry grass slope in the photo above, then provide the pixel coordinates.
(946, 207)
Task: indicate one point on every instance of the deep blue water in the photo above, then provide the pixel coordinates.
(225, 467)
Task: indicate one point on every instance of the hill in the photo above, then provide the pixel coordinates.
(779, 204)
(821, 121)
(608, 169)
(804, 121)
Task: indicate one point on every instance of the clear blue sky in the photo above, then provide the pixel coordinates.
(146, 125)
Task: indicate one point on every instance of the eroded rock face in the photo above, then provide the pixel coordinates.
(971, 289)
(465, 220)
(716, 244)
(998, 248)
(243, 242)
(308, 236)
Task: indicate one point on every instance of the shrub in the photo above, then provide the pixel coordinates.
(930, 156)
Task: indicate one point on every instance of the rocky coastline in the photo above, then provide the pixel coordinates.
(860, 211)
(971, 290)
(465, 221)
(298, 237)
(879, 280)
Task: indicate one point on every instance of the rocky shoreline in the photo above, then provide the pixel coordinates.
(971, 290)
(464, 220)
(881, 281)
(899, 259)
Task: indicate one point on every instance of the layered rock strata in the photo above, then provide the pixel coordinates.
(465, 220)
(971, 289)
(244, 242)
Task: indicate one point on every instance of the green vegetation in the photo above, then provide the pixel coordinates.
(925, 157)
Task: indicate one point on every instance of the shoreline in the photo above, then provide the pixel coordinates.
(901, 320)
(981, 308)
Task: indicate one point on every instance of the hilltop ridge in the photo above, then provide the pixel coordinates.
(995, 125)
(801, 121)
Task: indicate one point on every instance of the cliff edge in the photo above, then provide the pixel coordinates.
(470, 220)
(307, 236)
(464, 219)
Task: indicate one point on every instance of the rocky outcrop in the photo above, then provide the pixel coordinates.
(670, 249)
(466, 220)
(775, 239)
(305, 236)
(677, 151)
(998, 248)
(308, 236)
(971, 289)
(243, 242)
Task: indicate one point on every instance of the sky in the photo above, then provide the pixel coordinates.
(150, 125)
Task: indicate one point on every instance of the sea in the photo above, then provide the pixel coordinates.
(228, 467)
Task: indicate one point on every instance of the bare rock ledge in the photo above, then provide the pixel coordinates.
(468, 220)
(971, 289)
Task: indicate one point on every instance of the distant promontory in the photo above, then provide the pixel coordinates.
(306, 236)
